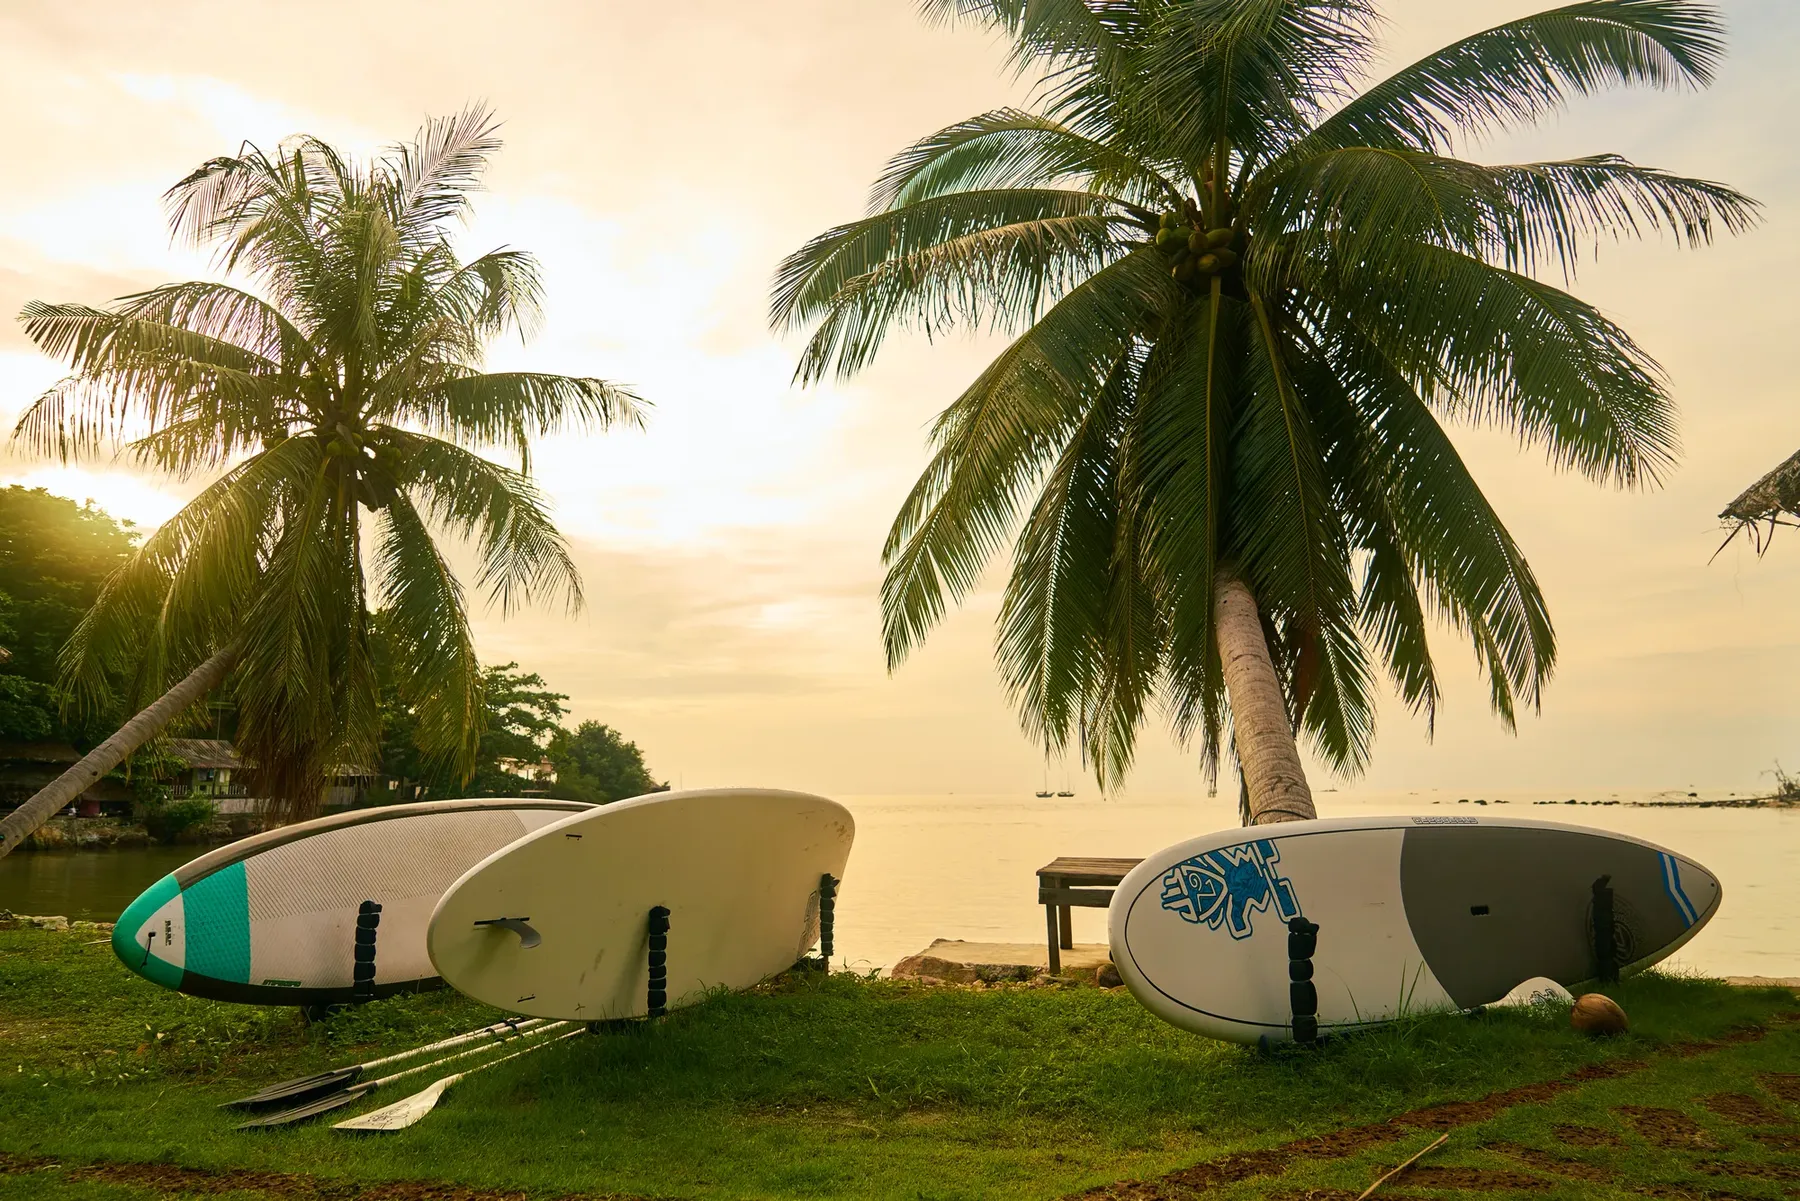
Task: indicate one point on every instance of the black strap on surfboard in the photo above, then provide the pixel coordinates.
(1606, 933)
(362, 971)
(827, 912)
(657, 997)
(1303, 995)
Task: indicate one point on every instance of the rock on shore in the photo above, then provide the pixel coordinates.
(954, 961)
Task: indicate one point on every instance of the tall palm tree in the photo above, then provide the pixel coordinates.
(1246, 297)
(342, 404)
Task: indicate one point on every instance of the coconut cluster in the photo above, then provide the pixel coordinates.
(1195, 253)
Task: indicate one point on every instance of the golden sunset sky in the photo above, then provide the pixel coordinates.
(661, 159)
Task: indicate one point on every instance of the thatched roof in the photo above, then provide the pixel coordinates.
(1771, 499)
(1774, 494)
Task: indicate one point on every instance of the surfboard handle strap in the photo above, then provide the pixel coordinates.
(1606, 934)
(657, 995)
(827, 911)
(362, 970)
(1303, 996)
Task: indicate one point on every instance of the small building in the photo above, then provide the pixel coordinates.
(26, 767)
(213, 771)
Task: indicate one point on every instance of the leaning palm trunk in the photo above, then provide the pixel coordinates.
(21, 822)
(1267, 754)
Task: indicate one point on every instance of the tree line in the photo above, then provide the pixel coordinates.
(56, 555)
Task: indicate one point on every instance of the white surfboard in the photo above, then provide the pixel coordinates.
(271, 919)
(1415, 914)
(556, 925)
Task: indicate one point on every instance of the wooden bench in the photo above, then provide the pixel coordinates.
(1066, 882)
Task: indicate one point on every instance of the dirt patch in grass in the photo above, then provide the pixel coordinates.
(1778, 1140)
(1544, 1161)
(1667, 1128)
(1474, 1180)
(1749, 1171)
(1785, 1085)
(1339, 1144)
(1745, 1109)
(1664, 1127)
(1587, 1136)
(291, 1186)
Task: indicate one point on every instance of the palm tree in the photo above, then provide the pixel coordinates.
(342, 404)
(1245, 298)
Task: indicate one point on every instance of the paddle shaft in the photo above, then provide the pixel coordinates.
(512, 1026)
(408, 1110)
(413, 1071)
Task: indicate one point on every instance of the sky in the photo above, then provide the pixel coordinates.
(730, 552)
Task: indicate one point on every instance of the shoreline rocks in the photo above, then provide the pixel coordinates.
(53, 924)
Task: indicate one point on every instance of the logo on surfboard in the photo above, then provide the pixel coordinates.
(1225, 887)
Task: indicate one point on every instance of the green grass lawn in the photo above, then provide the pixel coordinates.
(847, 1088)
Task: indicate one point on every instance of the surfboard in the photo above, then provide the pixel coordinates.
(271, 919)
(556, 925)
(1414, 913)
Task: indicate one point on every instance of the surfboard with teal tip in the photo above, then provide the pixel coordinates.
(271, 919)
(1414, 914)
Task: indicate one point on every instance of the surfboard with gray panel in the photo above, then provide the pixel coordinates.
(1415, 914)
(271, 919)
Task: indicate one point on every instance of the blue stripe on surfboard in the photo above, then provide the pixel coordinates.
(1671, 870)
(217, 908)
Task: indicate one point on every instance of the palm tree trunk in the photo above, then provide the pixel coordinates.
(1268, 757)
(21, 822)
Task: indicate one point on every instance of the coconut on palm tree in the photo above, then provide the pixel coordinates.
(340, 399)
(1248, 290)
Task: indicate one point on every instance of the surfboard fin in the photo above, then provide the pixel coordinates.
(528, 938)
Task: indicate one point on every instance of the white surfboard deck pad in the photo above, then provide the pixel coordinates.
(1415, 914)
(271, 919)
(738, 869)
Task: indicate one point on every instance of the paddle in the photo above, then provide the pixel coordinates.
(344, 1096)
(304, 1088)
(408, 1110)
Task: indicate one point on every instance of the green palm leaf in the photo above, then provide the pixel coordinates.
(1243, 292)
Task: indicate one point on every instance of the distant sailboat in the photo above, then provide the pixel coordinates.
(1045, 790)
(1065, 790)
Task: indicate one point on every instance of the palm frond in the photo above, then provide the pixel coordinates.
(997, 436)
(422, 600)
(974, 258)
(1526, 69)
(1491, 346)
(435, 173)
(523, 557)
(1012, 148)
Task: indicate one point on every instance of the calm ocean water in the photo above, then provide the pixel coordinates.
(962, 866)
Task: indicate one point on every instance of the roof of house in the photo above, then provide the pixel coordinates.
(205, 752)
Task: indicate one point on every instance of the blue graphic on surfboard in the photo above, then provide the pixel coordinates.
(1225, 887)
(1416, 913)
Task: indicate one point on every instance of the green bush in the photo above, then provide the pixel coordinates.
(167, 821)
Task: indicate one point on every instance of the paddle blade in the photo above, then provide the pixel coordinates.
(401, 1113)
(297, 1091)
(312, 1109)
